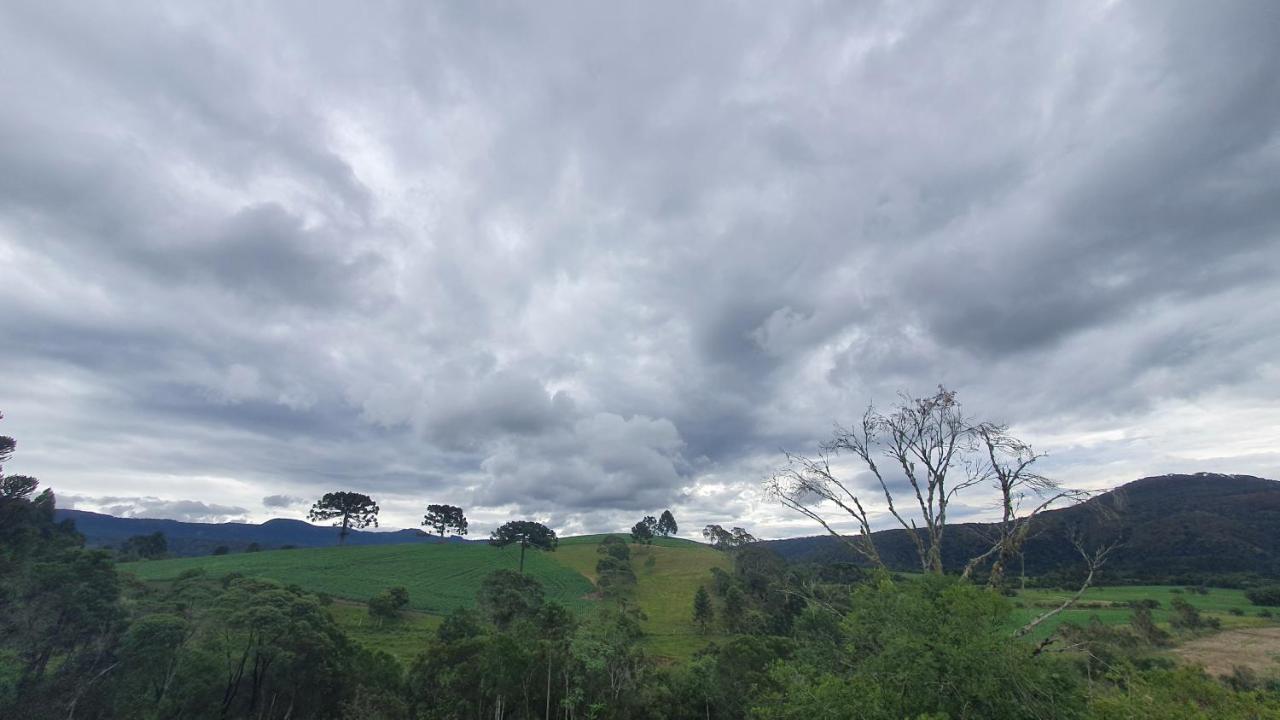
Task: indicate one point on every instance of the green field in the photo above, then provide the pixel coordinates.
(1108, 604)
(442, 577)
(439, 577)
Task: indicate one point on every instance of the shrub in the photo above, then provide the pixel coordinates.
(387, 604)
(1264, 595)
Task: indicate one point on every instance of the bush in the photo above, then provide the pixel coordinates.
(387, 604)
(221, 550)
(1264, 595)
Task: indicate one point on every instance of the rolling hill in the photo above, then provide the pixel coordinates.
(190, 539)
(444, 576)
(1170, 526)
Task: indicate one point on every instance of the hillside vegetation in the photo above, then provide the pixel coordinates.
(1174, 529)
(442, 577)
(439, 577)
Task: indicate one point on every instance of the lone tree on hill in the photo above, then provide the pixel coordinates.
(353, 510)
(642, 532)
(528, 534)
(445, 517)
(667, 524)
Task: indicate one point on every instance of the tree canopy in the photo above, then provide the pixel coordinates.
(526, 533)
(349, 509)
(443, 518)
(642, 531)
(667, 524)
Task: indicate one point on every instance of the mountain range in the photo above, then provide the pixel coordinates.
(188, 538)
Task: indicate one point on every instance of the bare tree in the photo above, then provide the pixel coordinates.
(926, 438)
(1006, 463)
(940, 453)
(805, 483)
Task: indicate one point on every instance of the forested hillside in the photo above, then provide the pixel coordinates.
(1172, 527)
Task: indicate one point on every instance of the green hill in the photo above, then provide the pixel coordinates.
(439, 577)
(442, 577)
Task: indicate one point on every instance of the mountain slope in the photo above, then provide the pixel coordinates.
(1170, 526)
(187, 539)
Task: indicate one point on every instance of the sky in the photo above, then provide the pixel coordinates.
(581, 262)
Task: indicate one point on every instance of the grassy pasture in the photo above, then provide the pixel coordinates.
(1109, 605)
(439, 577)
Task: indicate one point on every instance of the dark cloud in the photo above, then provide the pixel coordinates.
(586, 263)
(281, 501)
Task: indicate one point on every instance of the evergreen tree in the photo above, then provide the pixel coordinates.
(703, 611)
(667, 524)
(442, 518)
(642, 532)
(528, 534)
(351, 509)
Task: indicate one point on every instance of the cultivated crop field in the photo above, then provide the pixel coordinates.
(439, 577)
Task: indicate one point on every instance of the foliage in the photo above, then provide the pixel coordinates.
(614, 575)
(525, 533)
(931, 647)
(722, 539)
(443, 518)
(388, 604)
(350, 509)
(643, 531)
(506, 596)
(703, 611)
(1265, 595)
(1176, 694)
(667, 524)
(146, 547)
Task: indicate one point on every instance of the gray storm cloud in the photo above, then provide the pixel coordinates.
(585, 263)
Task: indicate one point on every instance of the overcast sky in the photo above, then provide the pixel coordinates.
(581, 262)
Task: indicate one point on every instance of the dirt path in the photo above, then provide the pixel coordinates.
(1256, 648)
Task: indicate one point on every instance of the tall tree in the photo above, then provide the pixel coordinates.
(722, 539)
(939, 451)
(528, 534)
(442, 518)
(350, 509)
(667, 524)
(703, 612)
(642, 532)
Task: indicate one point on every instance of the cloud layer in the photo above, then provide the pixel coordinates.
(584, 263)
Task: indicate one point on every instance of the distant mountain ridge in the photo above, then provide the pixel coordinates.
(1170, 526)
(190, 538)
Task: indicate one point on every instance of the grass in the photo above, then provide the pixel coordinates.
(404, 638)
(439, 577)
(446, 576)
(668, 574)
(1108, 604)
